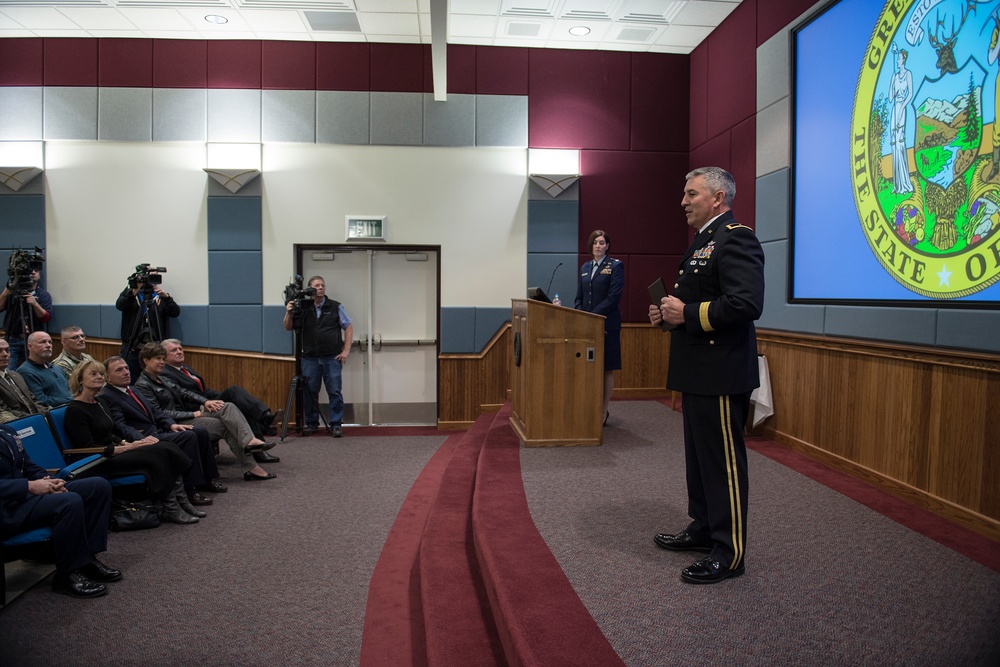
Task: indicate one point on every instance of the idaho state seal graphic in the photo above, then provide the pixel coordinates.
(925, 145)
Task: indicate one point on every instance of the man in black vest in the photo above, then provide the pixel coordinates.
(327, 333)
(713, 361)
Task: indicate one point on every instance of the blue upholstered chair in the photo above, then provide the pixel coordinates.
(57, 421)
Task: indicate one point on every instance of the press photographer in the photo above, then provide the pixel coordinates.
(146, 311)
(26, 306)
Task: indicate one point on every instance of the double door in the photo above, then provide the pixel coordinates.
(391, 294)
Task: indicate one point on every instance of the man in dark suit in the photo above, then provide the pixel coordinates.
(16, 399)
(258, 415)
(135, 418)
(713, 361)
(76, 511)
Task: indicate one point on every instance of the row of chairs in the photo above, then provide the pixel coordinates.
(45, 440)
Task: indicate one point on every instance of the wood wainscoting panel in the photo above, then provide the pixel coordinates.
(915, 421)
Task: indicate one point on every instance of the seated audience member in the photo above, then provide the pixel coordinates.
(88, 425)
(74, 342)
(47, 382)
(135, 418)
(258, 415)
(16, 400)
(76, 511)
(222, 420)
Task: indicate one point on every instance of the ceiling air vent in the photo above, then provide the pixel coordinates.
(333, 21)
(635, 34)
(523, 29)
(535, 8)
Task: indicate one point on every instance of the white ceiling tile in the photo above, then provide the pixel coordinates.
(472, 41)
(284, 36)
(465, 25)
(173, 34)
(687, 36)
(43, 18)
(393, 39)
(118, 34)
(7, 23)
(624, 46)
(273, 21)
(44, 32)
(682, 50)
(97, 18)
(155, 18)
(22, 32)
(196, 17)
(526, 43)
(483, 7)
(389, 24)
(397, 6)
(699, 12)
(598, 29)
(240, 34)
(339, 37)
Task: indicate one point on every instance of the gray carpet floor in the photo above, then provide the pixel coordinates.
(829, 581)
(276, 575)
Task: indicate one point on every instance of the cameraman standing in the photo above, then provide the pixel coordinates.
(146, 308)
(327, 333)
(27, 308)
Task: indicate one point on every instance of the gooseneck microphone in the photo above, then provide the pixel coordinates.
(548, 290)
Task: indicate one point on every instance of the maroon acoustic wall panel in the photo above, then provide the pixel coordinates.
(234, 64)
(698, 123)
(641, 271)
(180, 63)
(501, 71)
(125, 63)
(398, 68)
(579, 99)
(22, 62)
(636, 195)
(288, 65)
(732, 70)
(70, 62)
(461, 69)
(778, 15)
(343, 66)
(659, 104)
(743, 167)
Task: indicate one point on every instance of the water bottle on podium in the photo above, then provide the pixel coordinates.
(556, 301)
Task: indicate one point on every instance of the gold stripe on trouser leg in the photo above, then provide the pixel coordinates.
(735, 505)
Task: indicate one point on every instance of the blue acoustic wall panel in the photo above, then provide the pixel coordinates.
(21, 114)
(343, 117)
(969, 329)
(778, 313)
(397, 119)
(235, 328)
(276, 339)
(450, 123)
(234, 223)
(87, 317)
(458, 330)
(125, 114)
(488, 322)
(22, 222)
(192, 326)
(772, 213)
(110, 320)
(70, 114)
(180, 114)
(288, 115)
(553, 226)
(235, 277)
(904, 325)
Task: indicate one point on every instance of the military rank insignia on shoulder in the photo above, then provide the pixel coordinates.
(737, 225)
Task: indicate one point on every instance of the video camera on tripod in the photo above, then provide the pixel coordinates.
(20, 268)
(145, 277)
(301, 296)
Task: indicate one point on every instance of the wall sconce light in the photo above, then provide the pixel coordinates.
(553, 170)
(29, 158)
(233, 165)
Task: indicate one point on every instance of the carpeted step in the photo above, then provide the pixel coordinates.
(394, 627)
(540, 619)
(458, 622)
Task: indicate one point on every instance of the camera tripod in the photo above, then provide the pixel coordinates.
(295, 388)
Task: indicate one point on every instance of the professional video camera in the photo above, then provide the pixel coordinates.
(19, 269)
(300, 295)
(145, 277)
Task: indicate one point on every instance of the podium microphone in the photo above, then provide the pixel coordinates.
(549, 289)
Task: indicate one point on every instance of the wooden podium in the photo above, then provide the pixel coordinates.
(557, 375)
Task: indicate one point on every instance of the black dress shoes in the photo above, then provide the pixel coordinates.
(309, 430)
(99, 572)
(268, 418)
(264, 457)
(77, 585)
(259, 447)
(682, 541)
(215, 486)
(709, 571)
(198, 499)
(250, 477)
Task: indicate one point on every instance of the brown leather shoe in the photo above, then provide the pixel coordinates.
(198, 499)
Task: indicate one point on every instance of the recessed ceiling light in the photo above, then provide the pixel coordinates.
(579, 30)
(216, 19)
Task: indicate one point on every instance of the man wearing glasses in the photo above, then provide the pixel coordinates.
(74, 342)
